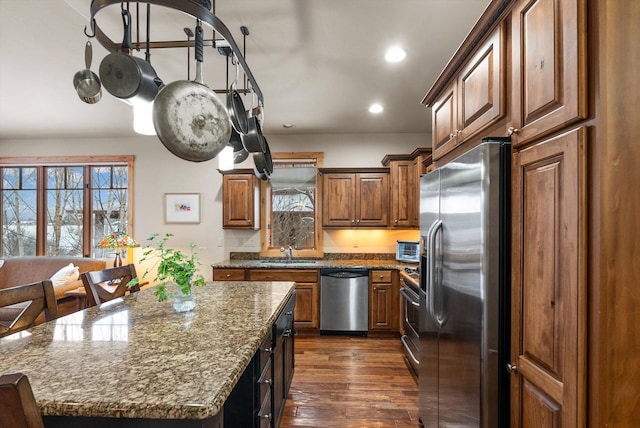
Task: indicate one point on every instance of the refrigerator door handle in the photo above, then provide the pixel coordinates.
(439, 315)
(431, 269)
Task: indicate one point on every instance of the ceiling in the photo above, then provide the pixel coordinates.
(319, 63)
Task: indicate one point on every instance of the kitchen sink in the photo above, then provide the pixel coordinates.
(285, 263)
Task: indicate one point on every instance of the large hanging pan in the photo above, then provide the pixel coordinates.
(188, 117)
(128, 77)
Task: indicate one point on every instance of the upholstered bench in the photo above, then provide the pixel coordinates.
(24, 270)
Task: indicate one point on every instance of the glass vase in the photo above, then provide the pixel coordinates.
(184, 302)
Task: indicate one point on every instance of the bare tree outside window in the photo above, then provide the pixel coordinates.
(78, 200)
(19, 212)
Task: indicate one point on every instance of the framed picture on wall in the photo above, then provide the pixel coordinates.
(182, 207)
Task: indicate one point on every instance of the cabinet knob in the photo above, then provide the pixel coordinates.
(512, 131)
(228, 275)
(395, 221)
(511, 368)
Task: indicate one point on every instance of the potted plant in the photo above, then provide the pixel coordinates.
(175, 266)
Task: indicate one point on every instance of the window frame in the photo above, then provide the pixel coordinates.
(265, 207)
(41, 162)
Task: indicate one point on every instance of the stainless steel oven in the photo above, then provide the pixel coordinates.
(410, 311)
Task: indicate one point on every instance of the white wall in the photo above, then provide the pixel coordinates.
(157, 171)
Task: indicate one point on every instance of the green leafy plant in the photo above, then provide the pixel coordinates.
(171, 266)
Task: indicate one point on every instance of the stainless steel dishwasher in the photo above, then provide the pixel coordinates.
(344, 301)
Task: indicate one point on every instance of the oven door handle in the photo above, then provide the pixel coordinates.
(409, 298)
(403, 338)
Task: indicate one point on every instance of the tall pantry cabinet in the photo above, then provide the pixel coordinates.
(573, 112)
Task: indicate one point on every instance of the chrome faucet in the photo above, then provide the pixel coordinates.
(288, 253)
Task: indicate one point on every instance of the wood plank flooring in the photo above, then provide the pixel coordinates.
(351, 382)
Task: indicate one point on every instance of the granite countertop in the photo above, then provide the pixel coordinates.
(315, 264)
(134, 357)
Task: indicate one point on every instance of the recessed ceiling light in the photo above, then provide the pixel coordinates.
(288, 125)
(376, 108)
(395, 54)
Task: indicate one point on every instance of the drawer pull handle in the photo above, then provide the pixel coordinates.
(286, 333)
(267, 381)
(267, 350)
(267, 416)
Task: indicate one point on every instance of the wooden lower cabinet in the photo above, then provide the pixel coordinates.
(383, 300)
(548, 287)
(307, 312)
(231, 274)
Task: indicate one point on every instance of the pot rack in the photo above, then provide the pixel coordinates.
(190, 7)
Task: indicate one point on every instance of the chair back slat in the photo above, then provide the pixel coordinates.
(25, 303)
(18, 408)
(108, 284)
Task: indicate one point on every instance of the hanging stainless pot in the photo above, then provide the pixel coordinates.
(235, 142)
(85, 81)
(189, 119)
(253, 140)
(263, 163)
(127, 77)
(235, 107)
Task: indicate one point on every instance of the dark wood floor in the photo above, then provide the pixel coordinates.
(351, 382)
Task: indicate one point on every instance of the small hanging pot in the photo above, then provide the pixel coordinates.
(235, 106)
(85, 81)
(127, 77)
(253, 140)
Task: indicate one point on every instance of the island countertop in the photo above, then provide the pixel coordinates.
(137, 358)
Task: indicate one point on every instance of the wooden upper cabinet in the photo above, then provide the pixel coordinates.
(240, 201)
(338, 202)
(548, 67)
(482, 86)
(548, 291)
(355, 199)
(475, 100)
(402, 191)
(445, 118)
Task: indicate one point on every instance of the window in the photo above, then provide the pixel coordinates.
(63, 206)
(291, 212)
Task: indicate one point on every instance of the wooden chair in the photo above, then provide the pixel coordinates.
(108, 284)
(18, 408)
(21, 306)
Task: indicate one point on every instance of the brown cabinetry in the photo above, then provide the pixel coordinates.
(383, 300)
(548, 67)
(240, 200)
(355, 198)
(548, 294)
(475, 99)
(573, 71)
(307, 311)
(404, 187)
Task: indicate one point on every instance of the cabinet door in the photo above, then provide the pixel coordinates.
(481, 87)
(402, 189)
(372, 199)
(548, 66)
(548, 289)
(383, 301)
(306, 313)
(239, 201)
(338, 202)
(444, 119)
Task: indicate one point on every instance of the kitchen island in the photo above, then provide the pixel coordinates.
(138, 360)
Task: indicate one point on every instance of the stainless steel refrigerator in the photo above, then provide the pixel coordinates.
(464, 289)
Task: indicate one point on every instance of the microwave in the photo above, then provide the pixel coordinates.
(408, 251)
